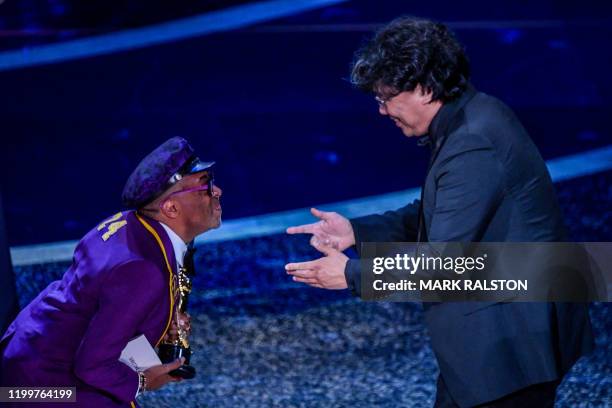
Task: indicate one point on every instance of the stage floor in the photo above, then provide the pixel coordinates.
(260, 340)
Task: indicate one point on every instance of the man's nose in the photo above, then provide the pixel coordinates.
(217, 192)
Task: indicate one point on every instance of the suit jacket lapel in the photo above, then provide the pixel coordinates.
(165, 240)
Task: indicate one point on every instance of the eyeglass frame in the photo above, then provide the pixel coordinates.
(209, 186)
(383, 101)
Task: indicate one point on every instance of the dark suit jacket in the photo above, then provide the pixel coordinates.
(486, 182)
(117, 288)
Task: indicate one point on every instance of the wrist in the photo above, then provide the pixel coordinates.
(142, 382)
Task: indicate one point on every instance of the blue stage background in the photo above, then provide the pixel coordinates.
(270, 103)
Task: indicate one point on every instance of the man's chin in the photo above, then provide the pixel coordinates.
(407, 131)
(216, 219)
(413, 133)
(217, 223)
(213, 225)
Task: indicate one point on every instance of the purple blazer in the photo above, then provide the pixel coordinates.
(118, 287)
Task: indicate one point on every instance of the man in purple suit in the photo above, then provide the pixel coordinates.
(120, 285)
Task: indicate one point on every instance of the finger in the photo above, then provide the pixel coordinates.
(302, 229)
(309, 281)
(303, 273)
(316, 285)
(300, 265)
(174, 365)
(167, 378)
(323, 215)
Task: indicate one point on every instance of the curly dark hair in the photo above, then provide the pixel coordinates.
(409, 52)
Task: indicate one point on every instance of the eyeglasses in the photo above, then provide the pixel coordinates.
(209, 186)
(382, 101)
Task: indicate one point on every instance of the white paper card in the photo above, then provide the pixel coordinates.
(139, 355)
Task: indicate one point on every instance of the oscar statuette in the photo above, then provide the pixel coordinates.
(176, 345)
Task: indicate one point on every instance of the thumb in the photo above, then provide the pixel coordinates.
(174, 365)
(323, 215)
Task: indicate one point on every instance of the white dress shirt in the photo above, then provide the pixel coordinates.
(179, 246)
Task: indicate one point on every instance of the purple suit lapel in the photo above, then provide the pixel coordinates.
(165, 239)
(155, 230)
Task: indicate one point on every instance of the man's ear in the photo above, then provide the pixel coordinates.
(424, 95)
(170, 208)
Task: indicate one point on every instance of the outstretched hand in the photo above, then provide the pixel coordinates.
(324, 273)
(332, 230)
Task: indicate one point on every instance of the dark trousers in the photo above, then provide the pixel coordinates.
(535, 396)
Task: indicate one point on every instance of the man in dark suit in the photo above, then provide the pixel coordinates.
(120, 285)
(486, 182)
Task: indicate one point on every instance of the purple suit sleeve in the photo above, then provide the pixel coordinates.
(126, 300)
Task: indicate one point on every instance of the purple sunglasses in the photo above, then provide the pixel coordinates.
(209, 186)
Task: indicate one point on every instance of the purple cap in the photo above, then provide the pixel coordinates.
(162, 168)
